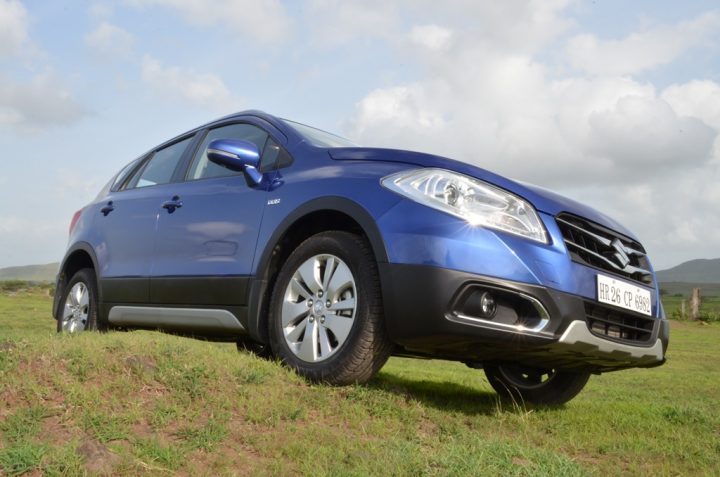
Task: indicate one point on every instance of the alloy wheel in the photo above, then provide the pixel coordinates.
(524, 377)
(77, 309)
(318, 309)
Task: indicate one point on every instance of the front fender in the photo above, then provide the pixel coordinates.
(259, 285)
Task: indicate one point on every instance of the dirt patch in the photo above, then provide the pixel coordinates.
(141, 363)
(679, 325)
(98, 458)
(7, 346)
(427, 428)
(687, 325)
(56, 430)
(520, 461)
(10, 400)
(588, 460)
(143, 431)
(233, 455)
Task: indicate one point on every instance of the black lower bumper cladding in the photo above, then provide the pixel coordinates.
(433, 312)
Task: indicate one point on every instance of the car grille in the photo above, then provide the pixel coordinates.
(618, 325)
(597, 246)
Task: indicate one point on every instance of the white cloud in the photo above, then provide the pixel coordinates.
(203, 89)
(13, 27)
(640, 51)
(405, 107)
(506, 112)
(513, 25)
(108, 39)
(334, 23)
(516, 26)
(645, 132)
(699, 98)
(432, 37)
(101, 11)
(29, 103)
(40, 102)
(265, 21)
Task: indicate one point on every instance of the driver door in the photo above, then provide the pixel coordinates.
(205, 246)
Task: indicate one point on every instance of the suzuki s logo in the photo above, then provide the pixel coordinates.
(620, 253)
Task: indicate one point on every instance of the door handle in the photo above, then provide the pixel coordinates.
(172, 204)
(108, 208)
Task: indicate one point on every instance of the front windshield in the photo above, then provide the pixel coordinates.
(318, 137)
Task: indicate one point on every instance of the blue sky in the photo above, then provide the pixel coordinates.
(613, 103)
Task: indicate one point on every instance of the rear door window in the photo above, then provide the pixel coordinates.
(124, 173)
(161, 167)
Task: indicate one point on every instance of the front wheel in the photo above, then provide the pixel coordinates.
(79, 303)
(326, 311)
(523, 384)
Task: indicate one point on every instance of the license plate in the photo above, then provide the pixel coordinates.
(623, 295)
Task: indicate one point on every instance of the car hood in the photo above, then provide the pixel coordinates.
(543, 199)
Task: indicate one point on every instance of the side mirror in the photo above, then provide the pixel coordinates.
(236, 155)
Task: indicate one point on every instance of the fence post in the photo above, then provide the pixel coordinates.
(695, 304)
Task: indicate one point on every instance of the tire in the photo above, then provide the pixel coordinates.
(341, 344)
(523, 384)
(79, 301)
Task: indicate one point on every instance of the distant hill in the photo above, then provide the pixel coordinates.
(39, 273)
(685, 288)
(693, 271)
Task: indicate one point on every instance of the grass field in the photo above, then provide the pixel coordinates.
(152, 404)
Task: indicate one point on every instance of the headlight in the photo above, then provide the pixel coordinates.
(471, 199)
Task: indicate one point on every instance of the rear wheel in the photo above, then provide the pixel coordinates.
(535, 385)
(326, 312)
(79, 303)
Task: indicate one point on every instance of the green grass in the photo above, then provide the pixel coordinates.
(145, 403)
(18, 459)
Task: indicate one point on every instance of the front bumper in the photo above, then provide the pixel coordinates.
(425, 317)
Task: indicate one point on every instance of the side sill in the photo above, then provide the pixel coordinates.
(201, 320)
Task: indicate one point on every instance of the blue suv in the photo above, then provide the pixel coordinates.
(331, 257)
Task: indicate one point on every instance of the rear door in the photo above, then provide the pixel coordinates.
(205, 247)
(126, 226)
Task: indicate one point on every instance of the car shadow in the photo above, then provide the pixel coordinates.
(445, 396)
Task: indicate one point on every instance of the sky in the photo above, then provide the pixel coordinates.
(612, 103)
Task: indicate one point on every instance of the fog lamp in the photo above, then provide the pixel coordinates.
(488, 305)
